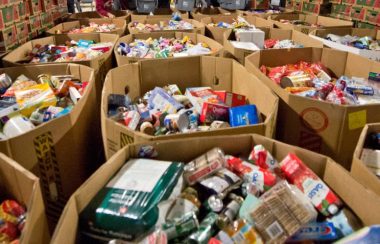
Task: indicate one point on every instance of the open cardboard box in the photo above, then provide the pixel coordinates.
(216, 48)
(371, 54)
(161, 13)
(199, 13)
(320, 126)
(270, 33)
(359, 170)
(16, 183)
(119, 14)
(262, 13)
(217, 33)
(64, 28)
(217, 73)
(100, 64)
(365, 204)
(324, 22)
(64, 151)
(198, 27)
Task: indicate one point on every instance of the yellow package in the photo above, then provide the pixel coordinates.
(34, 97)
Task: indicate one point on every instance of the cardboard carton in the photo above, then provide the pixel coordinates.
(121, 26)
(359, 169)
(217, 33)
(370, 4)
(217, 73)
(64, 151)
(263, 15)
(320, 126)
(199, 13)
(7, 14)
(322, 33)
(198, 27)
(324, 22)
(120, 14)
(8, 38)
(270, 33)
(358, 13)
(216, 48)
(35, 7)
(161, 13)
(34, 23)
(19, 184)
(101, 64)
(364, 204)
(22, 32)
(373, 16)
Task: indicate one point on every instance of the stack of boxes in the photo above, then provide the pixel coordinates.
(22, 20)
(342, 9)
(319, 7)
(295, 5)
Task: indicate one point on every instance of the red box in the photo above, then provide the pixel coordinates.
(373, 17)
(358, 13)
(231, 99)
(211, 112)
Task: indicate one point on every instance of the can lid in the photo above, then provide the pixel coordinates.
(215, 203)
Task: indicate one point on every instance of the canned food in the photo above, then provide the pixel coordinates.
(176, 122)
(296, 81)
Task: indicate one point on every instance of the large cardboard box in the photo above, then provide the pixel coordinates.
(22, 32)
(198, 27)
(370, 4)
(372, 16)
(263, 13)
(359, 170)
(199, 13)
(270, 33)
(34, 23)
(161, 13)
(322, 33)
(19, 184)
(218, 73)
(320, 126)
(8, 38)
(120, 14)
(217, 33)
(324, 22)
(365, 204)
(121, 26)
(101, 64)
(216, 48)
(7, 15)
(64, 151)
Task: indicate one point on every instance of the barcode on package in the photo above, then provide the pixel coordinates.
(274, 230)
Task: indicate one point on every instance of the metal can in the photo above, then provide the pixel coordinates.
(176, 122)
(204, 165)
(295, 81)
(45, 78)
(214, 203)
(181, 227)
(147, 128)
(229, 213)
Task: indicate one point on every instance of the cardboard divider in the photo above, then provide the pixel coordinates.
(371, 54)
(119, 14)
(160, 13)
(64, 28)
(359, 169)
(64, 151)
(217, 33)
(185, 72)
(198, 27)
(200, 13)
(357, 198)
(320, 126)
(18, 184)
(270, 33)
(216, 48)
(325, 22)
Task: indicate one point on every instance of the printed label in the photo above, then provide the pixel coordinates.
(129, 178)
(357, 119)
(125, 140)
(315, 190)
(274, 230)
(215, 183)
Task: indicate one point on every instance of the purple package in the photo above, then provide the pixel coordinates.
(162, 101)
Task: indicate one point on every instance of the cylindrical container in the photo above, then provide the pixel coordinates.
(295, 81)
(176, 122)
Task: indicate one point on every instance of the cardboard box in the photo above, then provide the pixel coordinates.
(337, 1)
(349, 2)
(270, 33)
(372, 17)
(18, 184)
(371, 54)
(218, 73)
(365, 204)
(34, 23)
(259, 4)
(120, 14)
(341, 9)
(368, 3)
(216, 48)
(263, 14)
(35, 6)
(7, 15)
(325, 22)
(21, 10)
(217, 33)
(22, 32)
(320, 126)
(101, 64)
(198, 26)
(8, 38)
(47, 5)
(161, 13)
(46, 20)
(65, 27)
(316, 8)
(62, 152)
(358, 13)
(359, 170)
(199, 13)
(366, 25)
